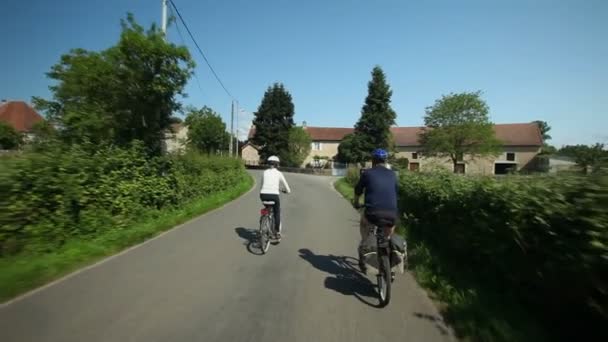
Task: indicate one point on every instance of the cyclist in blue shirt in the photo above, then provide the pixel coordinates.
(379, 184)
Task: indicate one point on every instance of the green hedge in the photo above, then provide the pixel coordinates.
(49, 197)
(542, 238)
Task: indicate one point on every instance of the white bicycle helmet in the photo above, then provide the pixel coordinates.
(274, 159)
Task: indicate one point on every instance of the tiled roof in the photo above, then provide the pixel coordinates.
(318, 133)
(19, 115)
(328, 133)
(521, 134)
(406, 136)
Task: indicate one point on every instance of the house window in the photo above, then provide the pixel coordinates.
(510, 156)
(459, 168)
(414, 155)
(316, 146)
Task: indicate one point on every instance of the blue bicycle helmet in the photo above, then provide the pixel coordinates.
(379, 154)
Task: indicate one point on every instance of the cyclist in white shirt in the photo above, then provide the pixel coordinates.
(271, 182)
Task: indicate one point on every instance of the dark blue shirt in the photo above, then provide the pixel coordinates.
(380, 185)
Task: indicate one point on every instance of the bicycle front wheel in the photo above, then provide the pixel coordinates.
(384, 281)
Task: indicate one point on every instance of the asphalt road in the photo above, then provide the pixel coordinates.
(204, 282)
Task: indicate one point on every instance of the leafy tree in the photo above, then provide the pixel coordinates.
(273, 122)
(373, 128)
(544, 128)
(10, 139)
(351, 149)
(458, 125)
(124, 93)
(299, 146)
(548, 149)
(44, 136)
(206, 131)
(586, 156)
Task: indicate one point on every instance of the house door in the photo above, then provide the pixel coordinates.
(459, 168)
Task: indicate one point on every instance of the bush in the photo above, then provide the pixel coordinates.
(81, 191)
(543, 238)
(401, 164)
(352, 175)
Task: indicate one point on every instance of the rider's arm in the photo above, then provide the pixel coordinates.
(359, 188)
(285, 183)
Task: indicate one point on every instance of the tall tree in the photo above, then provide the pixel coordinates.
(9, 138)
(299, 146)
(206, 131)
(373, 128)
(126, 92)
(458, 125)
(544, 128)
(273, 121)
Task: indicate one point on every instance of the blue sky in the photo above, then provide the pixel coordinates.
(533, 59)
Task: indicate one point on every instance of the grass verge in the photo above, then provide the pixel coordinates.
(345, 189)
(474, 308)
(21, 273)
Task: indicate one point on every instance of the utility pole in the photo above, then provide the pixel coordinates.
(236, 138)
(231, 129)
(163, 23)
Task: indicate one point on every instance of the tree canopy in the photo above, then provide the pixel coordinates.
(10, 139)
(124, 93)
(373, 128)
(206, 131)
(544, 128)
(299, 146)
(459, 125)
(586, 156)
(273, 122)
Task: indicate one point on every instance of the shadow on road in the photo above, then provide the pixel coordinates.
(250, 237)
(345, 277)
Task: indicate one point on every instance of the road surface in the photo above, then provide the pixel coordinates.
(204, 282)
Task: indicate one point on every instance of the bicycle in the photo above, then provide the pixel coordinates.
(385, 276)
(386, 258)
(266, 230)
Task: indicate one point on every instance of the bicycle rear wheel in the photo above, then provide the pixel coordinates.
(384, 281)
(264, 233)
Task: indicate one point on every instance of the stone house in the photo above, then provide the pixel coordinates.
(521, 144)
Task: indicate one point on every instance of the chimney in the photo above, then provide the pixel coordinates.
(304, 124)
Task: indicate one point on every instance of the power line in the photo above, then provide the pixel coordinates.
(181, 37)
(200, 50)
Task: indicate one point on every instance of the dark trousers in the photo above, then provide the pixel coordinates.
(277, 209)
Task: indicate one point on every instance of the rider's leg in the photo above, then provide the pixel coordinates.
(277, 214)
(364, 231)
(363, 228)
